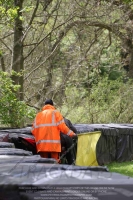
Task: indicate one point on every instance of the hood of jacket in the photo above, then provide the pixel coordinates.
(48, 106)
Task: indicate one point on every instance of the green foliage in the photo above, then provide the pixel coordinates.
(6, 5)
(12, 13)
(12, 111)
(102, 98)
(8, 12)
(127, 1)
(108, 101)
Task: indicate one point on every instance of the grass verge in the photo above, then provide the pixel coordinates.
(125, 168)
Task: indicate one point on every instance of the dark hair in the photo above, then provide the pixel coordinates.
(49, 101)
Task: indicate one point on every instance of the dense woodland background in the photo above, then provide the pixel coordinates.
(78, 53)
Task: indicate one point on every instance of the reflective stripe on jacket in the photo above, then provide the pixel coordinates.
(46, 129)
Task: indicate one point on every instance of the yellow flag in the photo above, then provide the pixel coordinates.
(86, 149)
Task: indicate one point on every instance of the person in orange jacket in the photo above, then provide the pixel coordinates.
(46, 129)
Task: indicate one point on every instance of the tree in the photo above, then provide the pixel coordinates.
(17, 54)
(12, 111)
(59, 43)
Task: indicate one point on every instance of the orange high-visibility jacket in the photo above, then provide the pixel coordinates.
(46, 129)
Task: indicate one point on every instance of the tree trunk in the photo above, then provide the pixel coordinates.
(18, 61)
(2, 63)
(131, 65)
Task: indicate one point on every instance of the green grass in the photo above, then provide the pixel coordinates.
(125, 168)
